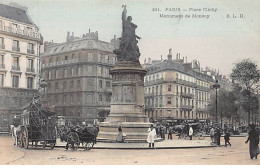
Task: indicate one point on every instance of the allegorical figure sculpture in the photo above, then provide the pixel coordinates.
(128, 50)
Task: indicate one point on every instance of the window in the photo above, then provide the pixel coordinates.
(100, 97)
(72, 71)
(71, 84)
(78, 97)
(16, 46)
(107, 84)
(30, 83)
(169, 88)
(78, 84)
(30, 65)
(2, 79)
(169, 100)
(2, 61)
(57, 59)
(56, 85)
(66, 58)
(156, 90)
(177, 103)
(49, 74)
(64, 85)
(30, 48)
(2, 45)
(15, 81)
(65, 73)
(79, 71)
(90, 57)
(16, 64)
(71, 98)
(57, 74)
(100, 84)
(100, 57)
(108, 98)
(73, 56)
(161, 89)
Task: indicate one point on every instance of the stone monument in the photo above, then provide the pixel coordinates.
(127, 102)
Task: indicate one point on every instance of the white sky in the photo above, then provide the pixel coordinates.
(217, 42)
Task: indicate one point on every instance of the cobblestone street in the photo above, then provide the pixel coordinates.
(237, 154)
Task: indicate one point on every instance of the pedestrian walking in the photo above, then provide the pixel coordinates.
(170, 133)
(190, 132)
(151, 136)
(226, 138)
(212, 133)
(254, 141)
(218, 135)
(120, 135)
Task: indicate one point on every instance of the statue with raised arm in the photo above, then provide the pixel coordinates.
(128, 50)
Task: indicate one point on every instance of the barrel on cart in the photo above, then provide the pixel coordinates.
(38, 125)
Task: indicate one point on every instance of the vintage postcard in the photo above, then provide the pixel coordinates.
(140, 82)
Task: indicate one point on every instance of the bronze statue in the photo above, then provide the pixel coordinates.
(128, 50)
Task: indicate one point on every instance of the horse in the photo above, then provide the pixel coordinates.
(16, 133)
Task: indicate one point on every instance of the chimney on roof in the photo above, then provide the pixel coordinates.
(149, 60)
(68, 36)
(177, 56)
(114, 37)
(145, 61)
(89, 30)
(170, 55)
(186, 59)
(72, 34)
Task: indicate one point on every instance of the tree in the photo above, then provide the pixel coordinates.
(246, 73)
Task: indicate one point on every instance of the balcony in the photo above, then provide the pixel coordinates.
(188, 95)
(201, 109)
(154, 82)
(186, 107)
(2, 66)
(2, 46)
(184, 82)
(32, 70)
(16, 48)
(20, 32)
(15, 68)
(30, 51)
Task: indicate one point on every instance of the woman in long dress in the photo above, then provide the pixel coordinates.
(119, 135)
(151, 136)
(254, 141)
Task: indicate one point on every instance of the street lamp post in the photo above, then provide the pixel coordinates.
(216, 86)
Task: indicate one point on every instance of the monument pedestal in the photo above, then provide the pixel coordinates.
(127, 103)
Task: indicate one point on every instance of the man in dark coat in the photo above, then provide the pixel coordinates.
(254, 141)
(218, 135)
(226, 137)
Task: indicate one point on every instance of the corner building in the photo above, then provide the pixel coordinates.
(77, 76)
(20, 42)
(175, 89)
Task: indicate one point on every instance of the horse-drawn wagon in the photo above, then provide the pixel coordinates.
(85, 136)
(37, 125)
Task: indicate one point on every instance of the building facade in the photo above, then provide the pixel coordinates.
(77, 76)
(20, 42)
(176, 89)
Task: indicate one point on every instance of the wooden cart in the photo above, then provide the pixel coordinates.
(37, 125)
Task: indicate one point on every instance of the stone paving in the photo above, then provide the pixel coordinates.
(166, 144)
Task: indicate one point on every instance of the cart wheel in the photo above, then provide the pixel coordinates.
(52, 145)
(73, 140)
(88, 145)
(25, 138)
(21, 140)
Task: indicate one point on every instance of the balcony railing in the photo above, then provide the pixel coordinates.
(184, 82)
(153, 82)
(187, 107)
(30, 70)
(15, 68)
(2, 46)
(188, 95)
(2, 66)
(28, 33)
(202, 109)
(30, 51)
(15, 48)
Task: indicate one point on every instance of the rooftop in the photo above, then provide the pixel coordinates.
(14, 14)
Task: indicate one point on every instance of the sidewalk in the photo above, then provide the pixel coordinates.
(166, 144)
